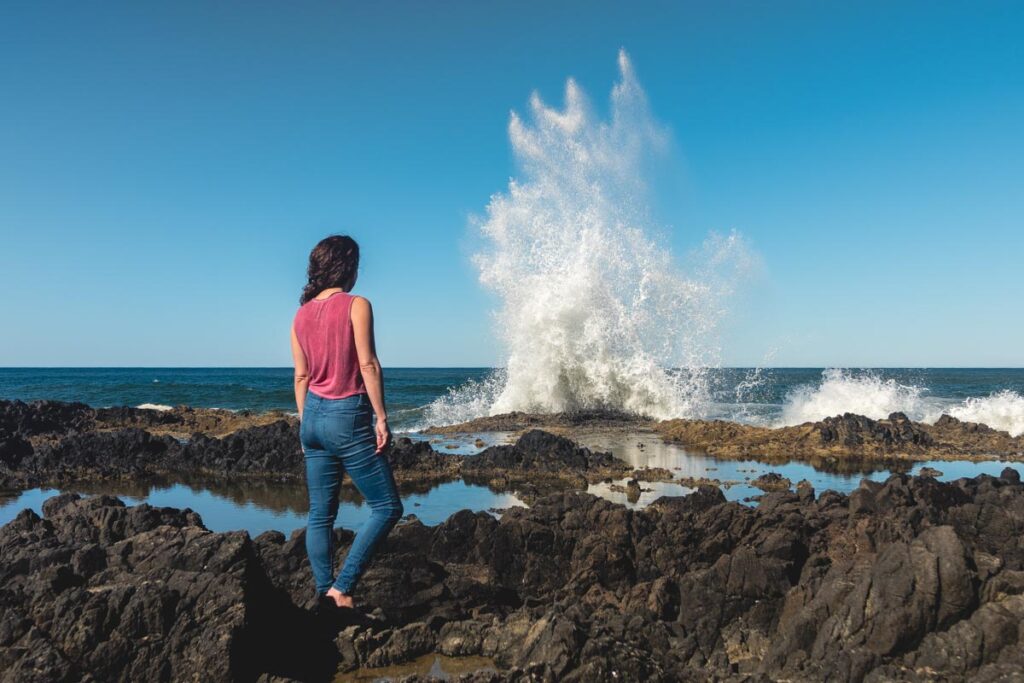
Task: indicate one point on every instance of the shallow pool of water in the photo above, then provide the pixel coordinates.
(258, 507)
(647, 450)
(438, 667)
(229, 504)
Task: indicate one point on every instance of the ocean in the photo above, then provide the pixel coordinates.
(415, 396)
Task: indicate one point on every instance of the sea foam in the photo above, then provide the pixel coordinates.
(594, 312)
(865, 393)
(842, 391)
(1001, 410)
(154, 406)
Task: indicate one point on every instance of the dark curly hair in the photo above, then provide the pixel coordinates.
(332, 263)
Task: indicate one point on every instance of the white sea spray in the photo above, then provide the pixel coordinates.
(594, 312)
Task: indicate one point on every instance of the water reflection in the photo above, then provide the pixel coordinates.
(258, 506)
(228, 503)
(832, 473)
(433, 667)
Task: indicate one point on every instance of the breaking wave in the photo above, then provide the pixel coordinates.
(865, 393)
(842, 391)
(1001, 410)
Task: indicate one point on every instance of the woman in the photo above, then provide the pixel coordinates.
(338, 381)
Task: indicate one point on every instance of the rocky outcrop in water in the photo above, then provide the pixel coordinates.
(538, 463)
(842, 438)
(26, 420)
(267, 451)
(846, 436)
(772, 481)
(913, 579)
(52, 443)
(551, 422)
(58, 418)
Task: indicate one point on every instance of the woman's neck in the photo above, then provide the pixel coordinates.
(328, 292)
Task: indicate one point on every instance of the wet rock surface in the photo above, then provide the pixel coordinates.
(58, 418)
(772, 481)
(911, 579)
(52, 443)
(538, 463)
(271, 450)
(558, 423)
(48, 442)
(844, 436)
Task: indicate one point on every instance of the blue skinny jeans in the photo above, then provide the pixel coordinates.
(338, 436)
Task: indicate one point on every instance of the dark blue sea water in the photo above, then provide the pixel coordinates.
(768, 396)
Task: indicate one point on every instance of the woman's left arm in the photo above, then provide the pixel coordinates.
(301, 374)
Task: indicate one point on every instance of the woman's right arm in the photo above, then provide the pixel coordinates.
(369, 366)
(301, 374)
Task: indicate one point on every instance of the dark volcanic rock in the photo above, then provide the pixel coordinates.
(557, 422)
(57, 418)
(539, 463)
(653, 474)
(540, 451)
(97, 591)
(854, 431)
(772, 481)
(911, 579)
(49, 442)
(52, 442)
(416, 461)
(267, 449)
(183, 421)
(36, 418)
(99, 454)
(846, 436)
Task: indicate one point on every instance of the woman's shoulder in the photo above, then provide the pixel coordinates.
(360, 309)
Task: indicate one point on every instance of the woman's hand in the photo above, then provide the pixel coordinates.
(383, 435)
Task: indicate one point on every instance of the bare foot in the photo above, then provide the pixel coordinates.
(340, 599)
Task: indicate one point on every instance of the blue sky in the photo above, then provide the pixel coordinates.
(166, 167)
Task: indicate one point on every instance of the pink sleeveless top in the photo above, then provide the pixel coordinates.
(324, 331)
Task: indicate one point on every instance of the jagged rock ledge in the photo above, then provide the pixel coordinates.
(848, 435)
(913, 579)
(560, 423)
(47, 418)
(845, 436)
(49, 442)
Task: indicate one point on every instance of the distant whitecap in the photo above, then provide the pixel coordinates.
(153, 406)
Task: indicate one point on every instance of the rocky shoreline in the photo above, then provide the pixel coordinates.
(51, 442)
(912, 579)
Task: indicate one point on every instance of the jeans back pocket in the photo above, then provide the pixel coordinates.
(339, 427)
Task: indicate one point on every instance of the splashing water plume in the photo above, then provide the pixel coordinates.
(593, 313)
